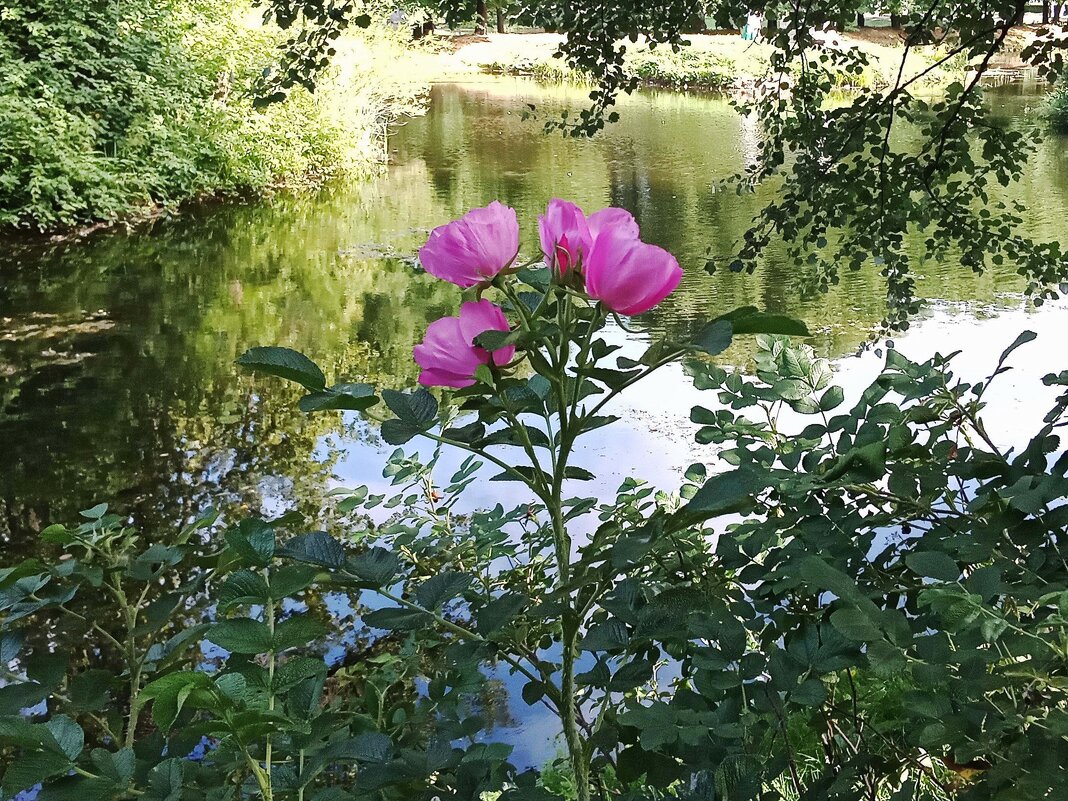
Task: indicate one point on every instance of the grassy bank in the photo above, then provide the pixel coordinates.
(113, 110)
(713, 61)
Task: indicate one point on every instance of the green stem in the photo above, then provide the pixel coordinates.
(271, 659)
(570, 624)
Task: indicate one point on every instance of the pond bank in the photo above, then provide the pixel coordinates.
(169, 116)
(719, 60)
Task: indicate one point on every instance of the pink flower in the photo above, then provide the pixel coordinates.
(474, 248)
(565, 236)
(612, 218)
(624, 273)
(448, 354)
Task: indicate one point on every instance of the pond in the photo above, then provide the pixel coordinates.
(117, 380)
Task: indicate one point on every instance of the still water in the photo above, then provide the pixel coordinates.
(116, 354)
(117, 380)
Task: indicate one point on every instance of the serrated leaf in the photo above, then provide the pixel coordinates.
(242, 587)
(296, 631)
(253, 540)
(499, 612)
(315, 548)
(375, 566)
(241, 636)
(441, 588)
(284, 363)
(397, 619)
(398, 432)
(345, 397)
(68, 735)
(418, 409)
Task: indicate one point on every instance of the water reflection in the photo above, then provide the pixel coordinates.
(116, 373)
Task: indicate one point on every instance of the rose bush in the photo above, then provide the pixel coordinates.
(870, 603)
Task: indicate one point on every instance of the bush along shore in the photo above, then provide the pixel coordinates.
(720, 62)
(97, 127)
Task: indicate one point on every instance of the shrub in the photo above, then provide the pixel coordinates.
(109, 108)
(864, 600)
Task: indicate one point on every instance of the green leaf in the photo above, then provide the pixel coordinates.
(723, 493)
(441, 588)
(499, 612)
(252, 540)
(855, 625)
(822, 576)
(419, 409)
(296, 631)
(608, 636)
(149, 565)
(78, 788)
(832, 399)
(398, 432)
(867, 463)
(347, 397)
(397, 619)
(375, 566)
(31, 768)
(715, 337)
(372, 747)
(96, 512)
(117, 766)
(10, 645)
(242, 587)
(90, 690)
(68, 735)
(284, 363)
(1023, 338)
(289, 580)
(241, 636)
(810, 692)
(496, 340)
(933, 564)
(315, 548)
(578, 473)
(165, 781)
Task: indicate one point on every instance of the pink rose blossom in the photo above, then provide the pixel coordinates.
(474, 248)
(565, 236)
(624, 273)
(448, 354)
(612, 218)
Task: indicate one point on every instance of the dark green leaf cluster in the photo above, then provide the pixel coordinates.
(888, 618)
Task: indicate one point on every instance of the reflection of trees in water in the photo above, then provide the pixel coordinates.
(152, 415)
(491, 704)
(663, 161)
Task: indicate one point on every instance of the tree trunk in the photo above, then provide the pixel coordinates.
(860, 19)
(896, 21)
(1045, 12)
(1057, 11)
(1018, 15)
(481, 17)
(500, 20)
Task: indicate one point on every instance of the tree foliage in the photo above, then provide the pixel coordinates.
(112, 108)
(850, 193)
